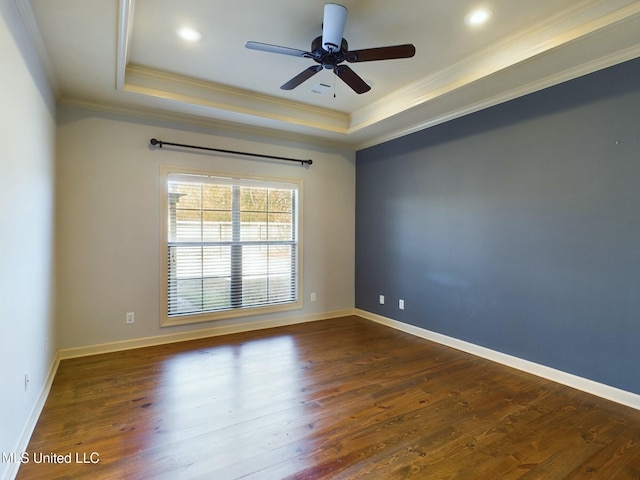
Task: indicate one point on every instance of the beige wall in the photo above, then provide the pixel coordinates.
(108, 221)
(27, 342)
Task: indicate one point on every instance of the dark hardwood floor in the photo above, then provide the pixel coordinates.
(338, 399)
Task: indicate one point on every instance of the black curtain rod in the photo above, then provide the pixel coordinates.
(161, 143)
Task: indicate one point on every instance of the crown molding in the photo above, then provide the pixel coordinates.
(29, 19)
(234, 101)
(507, 95)
(485, 79)
(583, 19)
(214, 126)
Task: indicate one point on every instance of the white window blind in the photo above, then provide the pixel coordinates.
(231, 244)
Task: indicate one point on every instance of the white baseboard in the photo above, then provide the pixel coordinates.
(605, 391)
(32, 421)
(599, 389)
(196, 334)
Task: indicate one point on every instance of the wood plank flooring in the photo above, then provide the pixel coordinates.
(338, 399)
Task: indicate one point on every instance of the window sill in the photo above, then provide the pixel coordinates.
(227, 314)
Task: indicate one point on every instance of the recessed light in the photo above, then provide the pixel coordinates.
(189, 34)
(478, 16)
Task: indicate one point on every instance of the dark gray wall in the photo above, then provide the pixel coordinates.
(516, 228)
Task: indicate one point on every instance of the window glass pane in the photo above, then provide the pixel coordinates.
(254, 262)
(216, 226)
(216, 261)
(187, 226)
(216, 197)
(280, 201)
(184, 213)
(253, 199)
(254, 290)
(188, 262)
(188, 193)
(185, 294)
(253, 226)
(280, 288)
(188, 297)
(280, 227)
(280, 259)
(217, 293)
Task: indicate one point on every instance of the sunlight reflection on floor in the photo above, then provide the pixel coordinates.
(213, 392)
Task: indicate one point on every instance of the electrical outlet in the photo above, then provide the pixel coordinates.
(313, 296)
(381, 299)
(401, 304)
(130, 317)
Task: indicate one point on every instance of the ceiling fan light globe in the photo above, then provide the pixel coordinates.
(335, 17)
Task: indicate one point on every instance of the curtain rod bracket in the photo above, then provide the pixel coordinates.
(160, 143)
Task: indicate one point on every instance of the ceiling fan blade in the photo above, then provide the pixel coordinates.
(381, 53)
(301, 77)
(335, 17)
(265, 47)
(351, 78)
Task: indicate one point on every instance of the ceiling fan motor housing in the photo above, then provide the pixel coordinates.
(328, 59)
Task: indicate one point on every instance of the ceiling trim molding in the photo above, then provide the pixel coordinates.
(520, 91)
(169, 86)
(199, 93)
(566, 27)
(29, 19)
(216, 126)
(578, 40)
(232, 127)
(126, 10)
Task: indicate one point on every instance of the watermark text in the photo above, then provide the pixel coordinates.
(51, 457)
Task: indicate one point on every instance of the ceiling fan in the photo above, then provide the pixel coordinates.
(330, 50)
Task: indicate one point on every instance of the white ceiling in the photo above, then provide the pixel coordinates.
(125, 56)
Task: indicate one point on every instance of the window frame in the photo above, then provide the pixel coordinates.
(167, 320)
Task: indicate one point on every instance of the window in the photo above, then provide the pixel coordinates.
(230, 246)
